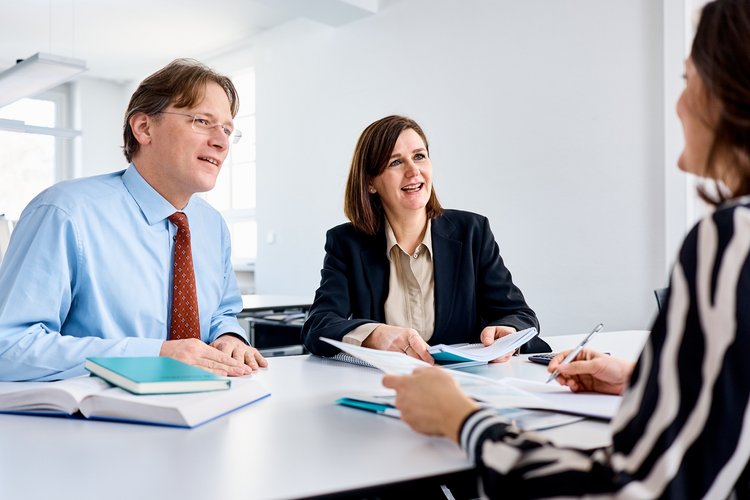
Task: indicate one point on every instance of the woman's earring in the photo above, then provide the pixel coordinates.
(372, 190)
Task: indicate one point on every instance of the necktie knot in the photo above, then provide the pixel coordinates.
(179, 219)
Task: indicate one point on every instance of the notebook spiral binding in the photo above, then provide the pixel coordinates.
(347, 358)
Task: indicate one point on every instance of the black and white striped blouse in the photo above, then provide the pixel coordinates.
(683, 430)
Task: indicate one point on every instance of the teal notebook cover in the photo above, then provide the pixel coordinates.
(155, 375)
(448, 357)
(381, 408)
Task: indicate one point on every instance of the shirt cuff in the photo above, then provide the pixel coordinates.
(243, 339)
(359, 334)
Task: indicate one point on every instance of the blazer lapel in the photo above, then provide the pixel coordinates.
(446, 264)
(375, 265)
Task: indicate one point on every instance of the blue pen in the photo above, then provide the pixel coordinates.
(571, 356)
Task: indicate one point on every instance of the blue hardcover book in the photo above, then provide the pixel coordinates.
(155, 375)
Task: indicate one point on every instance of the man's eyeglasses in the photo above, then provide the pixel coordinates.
(202, 125)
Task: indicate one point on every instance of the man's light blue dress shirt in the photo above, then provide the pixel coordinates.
(88, 272)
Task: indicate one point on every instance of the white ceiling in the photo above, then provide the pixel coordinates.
(124, 40)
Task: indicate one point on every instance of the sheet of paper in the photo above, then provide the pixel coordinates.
(529, 394)
(536, 420)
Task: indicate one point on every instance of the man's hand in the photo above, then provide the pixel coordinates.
(245, 354)
(431, 401)
(197, 353)
(396, 338)
(492, 333)
(593, 371)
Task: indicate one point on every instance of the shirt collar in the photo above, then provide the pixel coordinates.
(153, 205)
(390, 238)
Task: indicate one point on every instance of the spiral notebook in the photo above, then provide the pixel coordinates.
(348, 358)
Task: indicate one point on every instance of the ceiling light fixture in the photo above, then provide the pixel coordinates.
(36, 74)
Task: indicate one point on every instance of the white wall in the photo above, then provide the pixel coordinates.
(546, 116)
(101, 110)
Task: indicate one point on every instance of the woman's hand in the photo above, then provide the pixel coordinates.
(431, 401)
(593, 371)
(492, 333)
(396, 338)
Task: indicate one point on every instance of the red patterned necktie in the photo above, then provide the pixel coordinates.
(185, 323)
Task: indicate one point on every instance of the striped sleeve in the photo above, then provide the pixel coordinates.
(683, 430)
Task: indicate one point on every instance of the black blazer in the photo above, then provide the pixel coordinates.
(473, 288)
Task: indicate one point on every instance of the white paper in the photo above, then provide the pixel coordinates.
(503, 393)
(529, 394)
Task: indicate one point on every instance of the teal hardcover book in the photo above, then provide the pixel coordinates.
(155, 375)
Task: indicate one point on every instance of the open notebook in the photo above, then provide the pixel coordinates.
(462, 355)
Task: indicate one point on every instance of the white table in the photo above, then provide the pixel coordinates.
(295, 443)
(263, 302)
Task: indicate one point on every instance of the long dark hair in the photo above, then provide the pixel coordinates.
(721, 56)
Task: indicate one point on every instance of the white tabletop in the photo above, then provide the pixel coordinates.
(258, 302)
(295, 443)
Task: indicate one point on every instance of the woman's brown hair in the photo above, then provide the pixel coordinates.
(371, 155)
(721, 55)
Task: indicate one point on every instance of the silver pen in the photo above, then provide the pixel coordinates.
(571, 356)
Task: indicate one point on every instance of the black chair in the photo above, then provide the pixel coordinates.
(661, 297)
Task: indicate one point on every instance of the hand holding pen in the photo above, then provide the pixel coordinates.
(572, 354)
(592, 371)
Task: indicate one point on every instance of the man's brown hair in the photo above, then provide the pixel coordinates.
(181, 83)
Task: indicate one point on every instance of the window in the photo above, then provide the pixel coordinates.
(35, 148)
(234, 194)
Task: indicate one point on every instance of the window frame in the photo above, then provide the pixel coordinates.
(62, 132)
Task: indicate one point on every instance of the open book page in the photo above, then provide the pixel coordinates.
(62, 396)
(398, 363)
(182, 410)
(513, 392)
(480, 352)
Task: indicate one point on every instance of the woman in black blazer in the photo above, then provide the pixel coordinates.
(404, 269)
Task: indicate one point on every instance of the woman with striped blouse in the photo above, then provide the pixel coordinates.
(683, 430)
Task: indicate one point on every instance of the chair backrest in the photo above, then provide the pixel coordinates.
(661, 297)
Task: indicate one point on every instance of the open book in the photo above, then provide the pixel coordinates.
(497, 393)
(93, 398)
(458, 355)
(445, 354)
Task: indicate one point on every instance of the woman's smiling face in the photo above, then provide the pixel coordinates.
(406, 183)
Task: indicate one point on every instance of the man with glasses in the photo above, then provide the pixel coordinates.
(131, 263)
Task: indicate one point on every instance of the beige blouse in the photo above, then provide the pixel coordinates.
(411, 289)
